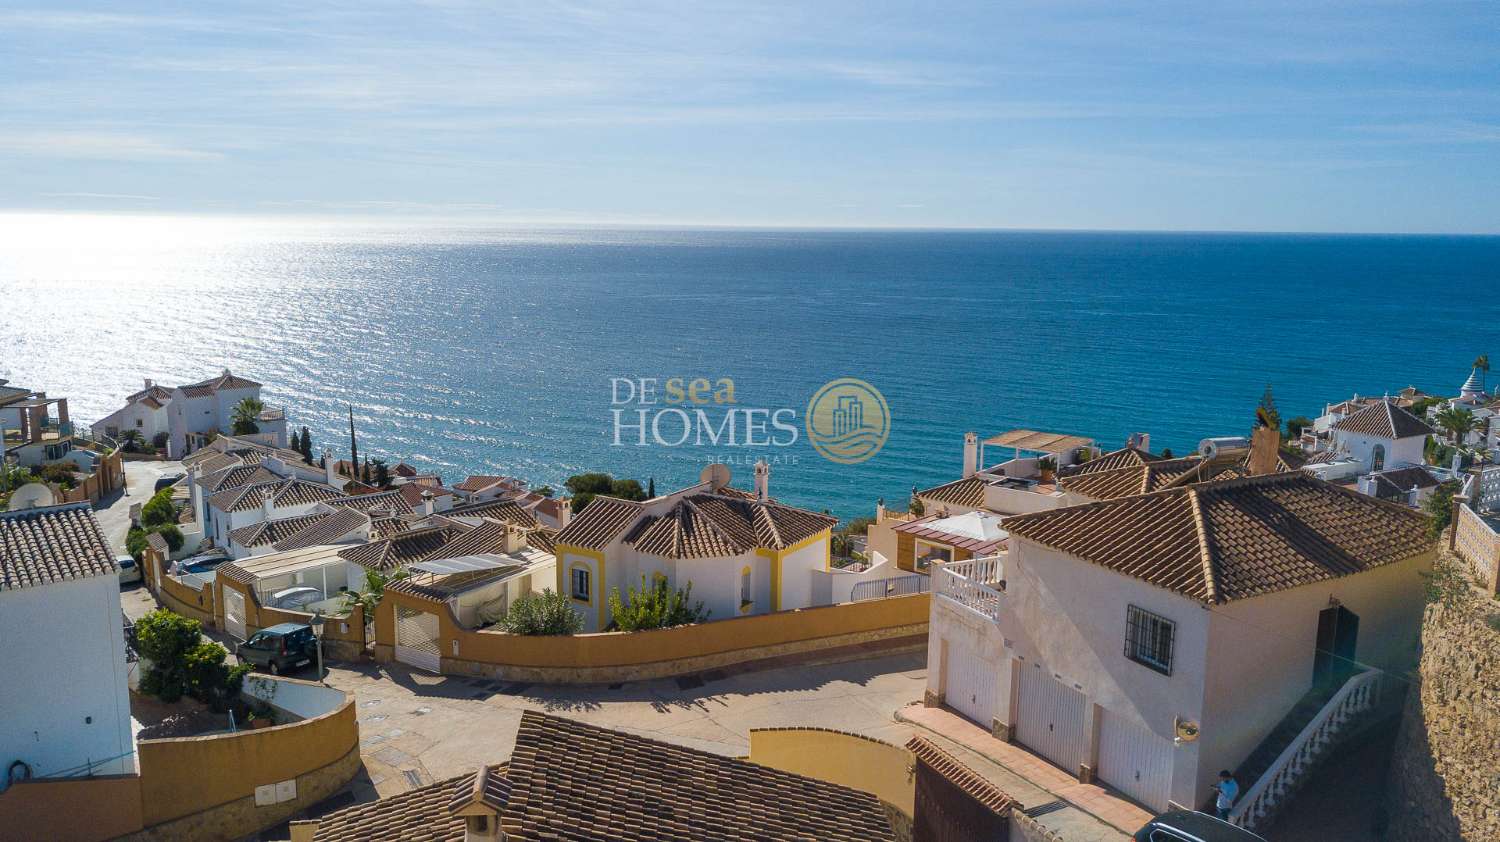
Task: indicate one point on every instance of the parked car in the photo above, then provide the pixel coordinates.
(166, 480)
(200, 563)
(1188, 826)
(129, 570)
(295, 599)
(279, 648)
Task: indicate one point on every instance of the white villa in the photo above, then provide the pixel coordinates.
(743, 552)
(1153, 639)
(187, 413)
(64, 698)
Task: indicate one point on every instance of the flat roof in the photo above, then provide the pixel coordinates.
(465, 564)
(291, 561)
(1039, 441)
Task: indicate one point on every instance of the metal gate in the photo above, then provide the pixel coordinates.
(1050, 718)
(1135, 760)
(234, 613)
(969, 685)
(417, 639)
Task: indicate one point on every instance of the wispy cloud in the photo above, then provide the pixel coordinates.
(120, 197)
(100, 146)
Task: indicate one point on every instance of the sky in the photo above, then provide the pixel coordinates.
(1297, 116)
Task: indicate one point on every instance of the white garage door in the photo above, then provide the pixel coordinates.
(1135, 760)
(417, 639)
(969, 685)
(234, 613)
(1050, 718)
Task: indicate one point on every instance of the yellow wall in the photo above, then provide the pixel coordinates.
(617, 649)
(259, 617)
(187, 775)
(81, 809)
(181, 599)
(881, 769)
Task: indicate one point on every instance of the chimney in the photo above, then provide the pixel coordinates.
(149, 383)
(330, 477)
(195, 494)
(880, 510)
(1144, 441)
(427, 507)
(762, 480)
(971, 454)
(267, 504)
(515, 539)
(479, 803)
(1264, 443)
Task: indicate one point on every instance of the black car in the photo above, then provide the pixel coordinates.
(280, 648)
(1188, 826)
(166, 481)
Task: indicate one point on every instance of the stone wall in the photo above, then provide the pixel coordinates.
(1445, 774)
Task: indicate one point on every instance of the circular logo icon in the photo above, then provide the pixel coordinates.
(848, 420)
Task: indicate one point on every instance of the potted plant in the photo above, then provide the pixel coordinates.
(1047, 467)
(261, 716)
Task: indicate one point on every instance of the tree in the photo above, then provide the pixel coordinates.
(159, 509)
(655, 606)
(547, 491)
(382, 473)
(245, 415)
(1482, 362)
(545, 613)
(651, 488)
(916, 507)
(131, 441)
(304, 446)
(1295, 426)
(364, 475)
(182, 663)
(1267, 415)
(587, 486)
(1457, 422)
(374, 589)
(1166, 453)
(1439, 508)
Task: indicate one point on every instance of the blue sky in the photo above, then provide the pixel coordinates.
(1305, 116)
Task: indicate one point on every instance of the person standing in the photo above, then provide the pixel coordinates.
(1228, 790)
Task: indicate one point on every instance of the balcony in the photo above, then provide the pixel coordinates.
(976, 584)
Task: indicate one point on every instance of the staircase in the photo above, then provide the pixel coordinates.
(1322, 719)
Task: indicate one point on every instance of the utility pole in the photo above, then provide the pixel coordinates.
(353, 445)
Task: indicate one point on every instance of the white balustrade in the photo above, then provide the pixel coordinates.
(971, 584)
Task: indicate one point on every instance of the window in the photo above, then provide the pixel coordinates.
(1148, 639)
(928, 553)
(140, 422)
(747, 597)
(1377, 457)
(581, 584)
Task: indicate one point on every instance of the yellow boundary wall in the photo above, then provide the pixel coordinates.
(610, 656)
(852, 760)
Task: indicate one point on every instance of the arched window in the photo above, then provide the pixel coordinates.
(1377, 457)
(747, 596)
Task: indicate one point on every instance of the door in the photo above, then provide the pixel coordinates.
(1338, 638)
(417, 639)
(1135, 760)
(1050, 718)
(234, 613)
(969, 685)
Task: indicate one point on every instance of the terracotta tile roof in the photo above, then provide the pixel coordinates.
(399, 550)
(480, 482)
(600, 522)
(967, 780)
(1125, 457)
(212, 464)
(53, 544)
(388, 502)
(242, 498)
(385, 527)
(204, 388)
(543, 539)
(412, 493)
(487, 537)
(233, 572)
(1384, 420)
(324, 528)
(1139, 479)
(239, 475)
(1221, 541)
(157, 393)
(551, 507)
(271, 531)
(158, 543)
(968, 491)
(714, 526)
(299, 492)
(506, 510)
(571, 782)
(1323, 457)
(401, 469)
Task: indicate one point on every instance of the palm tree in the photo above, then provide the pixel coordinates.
(1457, 422)
(1482, 362)
(245, 414)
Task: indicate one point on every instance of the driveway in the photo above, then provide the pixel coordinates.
(113, 512)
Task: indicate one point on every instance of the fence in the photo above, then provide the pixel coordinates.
(892, 586)
(971, 584)
(1477, 542)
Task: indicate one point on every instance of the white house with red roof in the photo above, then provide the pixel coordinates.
(187, 413)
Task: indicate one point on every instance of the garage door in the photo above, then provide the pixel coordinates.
(1135, 760)
(417, 639)
(1049, 720)
(969, 685)
(234, 613)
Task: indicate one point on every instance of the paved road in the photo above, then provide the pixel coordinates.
(114, 511)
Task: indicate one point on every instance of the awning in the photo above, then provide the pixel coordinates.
(465, 564)
(1039, 441)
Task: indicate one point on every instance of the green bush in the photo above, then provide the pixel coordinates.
(60, 473)
(655, 606)
(159, 509)
(544, 613)
(586, 486)
(183, 663)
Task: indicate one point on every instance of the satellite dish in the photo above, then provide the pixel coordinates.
(30, 496)
(716, 475)
(1186, 731)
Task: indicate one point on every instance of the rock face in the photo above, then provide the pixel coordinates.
(1445, 775)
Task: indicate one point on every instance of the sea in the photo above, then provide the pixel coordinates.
(510, 350)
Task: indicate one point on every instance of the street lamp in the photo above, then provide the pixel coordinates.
(317, 627)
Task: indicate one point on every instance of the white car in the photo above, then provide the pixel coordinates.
(129, 570)
(296, 599)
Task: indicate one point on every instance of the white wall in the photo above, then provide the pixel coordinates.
(1398, 452)
(303, 699)
(63, 662)
(796, 573)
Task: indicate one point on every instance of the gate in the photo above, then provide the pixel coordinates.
(1135, 760)
(417, 639)
(234, 613)
(1051, 717)
(969, 685)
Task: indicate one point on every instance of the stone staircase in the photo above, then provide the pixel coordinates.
(1324, 718)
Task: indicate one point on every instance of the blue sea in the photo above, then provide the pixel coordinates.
(467, 350)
